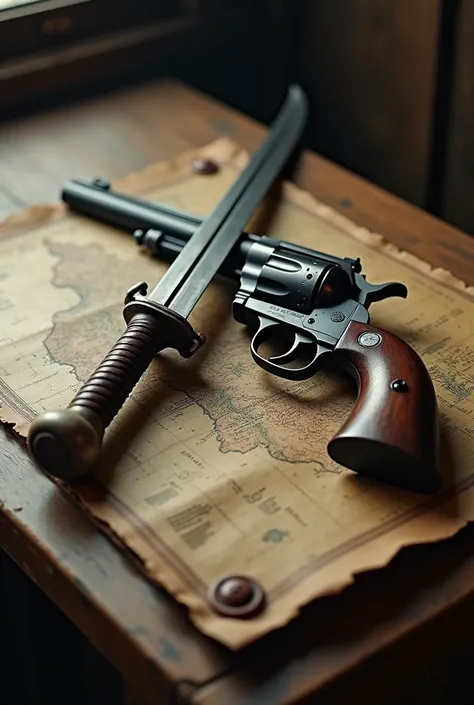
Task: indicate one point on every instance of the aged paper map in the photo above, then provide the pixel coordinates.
(214, 467)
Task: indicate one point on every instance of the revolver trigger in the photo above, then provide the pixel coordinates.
(293, 352)
(266, 323)
(275, 364)
(370, 293)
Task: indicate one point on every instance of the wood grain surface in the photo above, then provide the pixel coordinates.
(393, 624)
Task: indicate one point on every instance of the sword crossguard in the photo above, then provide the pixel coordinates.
(67, 443)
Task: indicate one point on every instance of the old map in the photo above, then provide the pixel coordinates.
(214, 467)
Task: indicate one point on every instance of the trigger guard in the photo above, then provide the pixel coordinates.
(292, 373)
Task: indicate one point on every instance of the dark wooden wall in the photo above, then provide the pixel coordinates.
(458, 195)
(391, 85)
(370, 69)
(390, 82)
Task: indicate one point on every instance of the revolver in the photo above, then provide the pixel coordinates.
(318, 304)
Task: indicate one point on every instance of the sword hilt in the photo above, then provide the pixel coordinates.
(67, 443)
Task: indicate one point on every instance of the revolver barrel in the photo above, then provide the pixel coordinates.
(158, 228)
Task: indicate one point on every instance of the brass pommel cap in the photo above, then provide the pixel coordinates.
(65, 443)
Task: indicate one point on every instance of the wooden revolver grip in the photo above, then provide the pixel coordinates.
(393, 430)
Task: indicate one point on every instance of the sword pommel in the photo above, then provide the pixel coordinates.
(66, 443)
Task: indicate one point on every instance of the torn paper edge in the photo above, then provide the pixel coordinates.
(225, 151)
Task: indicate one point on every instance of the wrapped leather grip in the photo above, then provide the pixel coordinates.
(67, 443)
(392, 433)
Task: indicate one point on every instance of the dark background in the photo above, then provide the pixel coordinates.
(390, 87)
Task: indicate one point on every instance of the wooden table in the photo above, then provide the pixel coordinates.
(390, 628)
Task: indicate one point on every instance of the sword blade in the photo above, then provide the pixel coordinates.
(187, 278)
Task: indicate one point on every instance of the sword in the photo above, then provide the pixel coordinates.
(67, 443)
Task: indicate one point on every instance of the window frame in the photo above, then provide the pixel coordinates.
(89, 66)
(49, 25)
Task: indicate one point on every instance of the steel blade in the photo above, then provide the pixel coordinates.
(188, 276)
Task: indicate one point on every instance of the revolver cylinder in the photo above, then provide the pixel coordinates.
(294, 279)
